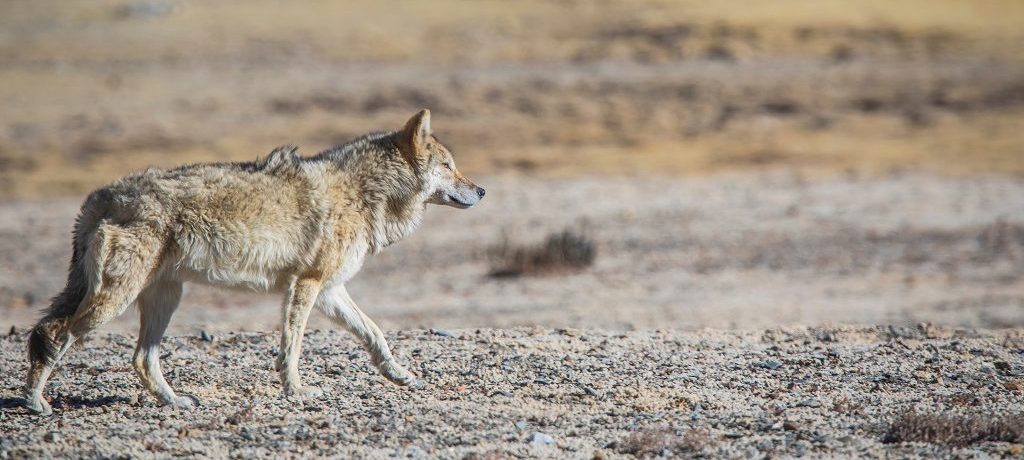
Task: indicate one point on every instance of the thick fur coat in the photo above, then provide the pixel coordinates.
(287, 224)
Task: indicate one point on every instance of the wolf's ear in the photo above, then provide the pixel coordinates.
(417, 131)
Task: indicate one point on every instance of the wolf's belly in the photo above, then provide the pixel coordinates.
(256, 282)
(258, 262)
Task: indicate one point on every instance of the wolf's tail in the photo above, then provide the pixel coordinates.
(42, 340)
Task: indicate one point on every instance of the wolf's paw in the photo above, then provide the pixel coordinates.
(304, 392)
(397, 374)
(39, 406)
(184, 402)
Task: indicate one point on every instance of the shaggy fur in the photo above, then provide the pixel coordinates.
(298, 226)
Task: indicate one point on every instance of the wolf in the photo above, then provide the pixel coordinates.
(300, 226)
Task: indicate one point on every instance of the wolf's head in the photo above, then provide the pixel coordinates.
(435, 166)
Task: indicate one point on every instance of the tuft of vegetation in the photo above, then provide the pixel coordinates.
(662, 441)
(565, 251)
(955, 430)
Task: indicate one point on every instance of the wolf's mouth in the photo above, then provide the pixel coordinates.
(459, 203)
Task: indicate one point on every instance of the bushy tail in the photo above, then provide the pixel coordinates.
(41, 341)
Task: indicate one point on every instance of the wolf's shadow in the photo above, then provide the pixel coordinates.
(11, 403)
(78, 402)
(66, 402)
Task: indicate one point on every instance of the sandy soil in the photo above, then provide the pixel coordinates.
(531, 393)
(737, 250)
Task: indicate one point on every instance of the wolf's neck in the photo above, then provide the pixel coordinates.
(392, 205)
(393, 220)
(389, 196)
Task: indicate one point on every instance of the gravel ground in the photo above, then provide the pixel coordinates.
(530, 393)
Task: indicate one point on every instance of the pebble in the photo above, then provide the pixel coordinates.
(538, 439)
(442, 332)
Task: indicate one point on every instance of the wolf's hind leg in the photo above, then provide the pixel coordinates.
(300, 300)
(156, 305)
(40, 372)
(340, 308)
(120, 264)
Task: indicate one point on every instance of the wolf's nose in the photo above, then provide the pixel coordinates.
(480, 192)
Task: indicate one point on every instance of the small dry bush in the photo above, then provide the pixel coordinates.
(565, 251)
(662, 440)
(955, 430)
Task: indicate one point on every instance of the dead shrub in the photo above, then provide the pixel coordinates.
(955, 430)
(662, 440)
(568, 250)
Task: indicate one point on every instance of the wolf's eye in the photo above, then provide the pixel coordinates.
(449, 166)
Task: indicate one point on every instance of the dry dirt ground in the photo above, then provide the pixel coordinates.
(514, 393)
(738, 250)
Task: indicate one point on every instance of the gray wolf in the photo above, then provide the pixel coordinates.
(300, 226)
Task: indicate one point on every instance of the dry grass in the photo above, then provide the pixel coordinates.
(94, 90)
(662, 441)
(955, 430)
(565, 251)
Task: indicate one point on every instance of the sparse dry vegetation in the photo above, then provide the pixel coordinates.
(565, 251)
(954, 429)
(663, 441)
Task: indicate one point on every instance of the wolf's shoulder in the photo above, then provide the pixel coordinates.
(282, 159)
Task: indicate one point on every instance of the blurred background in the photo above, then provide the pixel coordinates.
(655, 164)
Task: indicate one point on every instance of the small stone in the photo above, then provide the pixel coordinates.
(52, 436)
(442, 332)
(769, 364)
(205, 336)
(538, 439)
(809, 403)
(924, 375)
(521, 425)
(790, 425)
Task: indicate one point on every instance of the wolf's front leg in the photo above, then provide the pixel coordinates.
(300, 300)
(337, 305)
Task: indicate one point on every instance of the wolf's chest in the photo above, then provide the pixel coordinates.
(351, 262)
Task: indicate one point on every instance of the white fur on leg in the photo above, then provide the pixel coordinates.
(299, 302)
(156, 305)
(339, 307)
